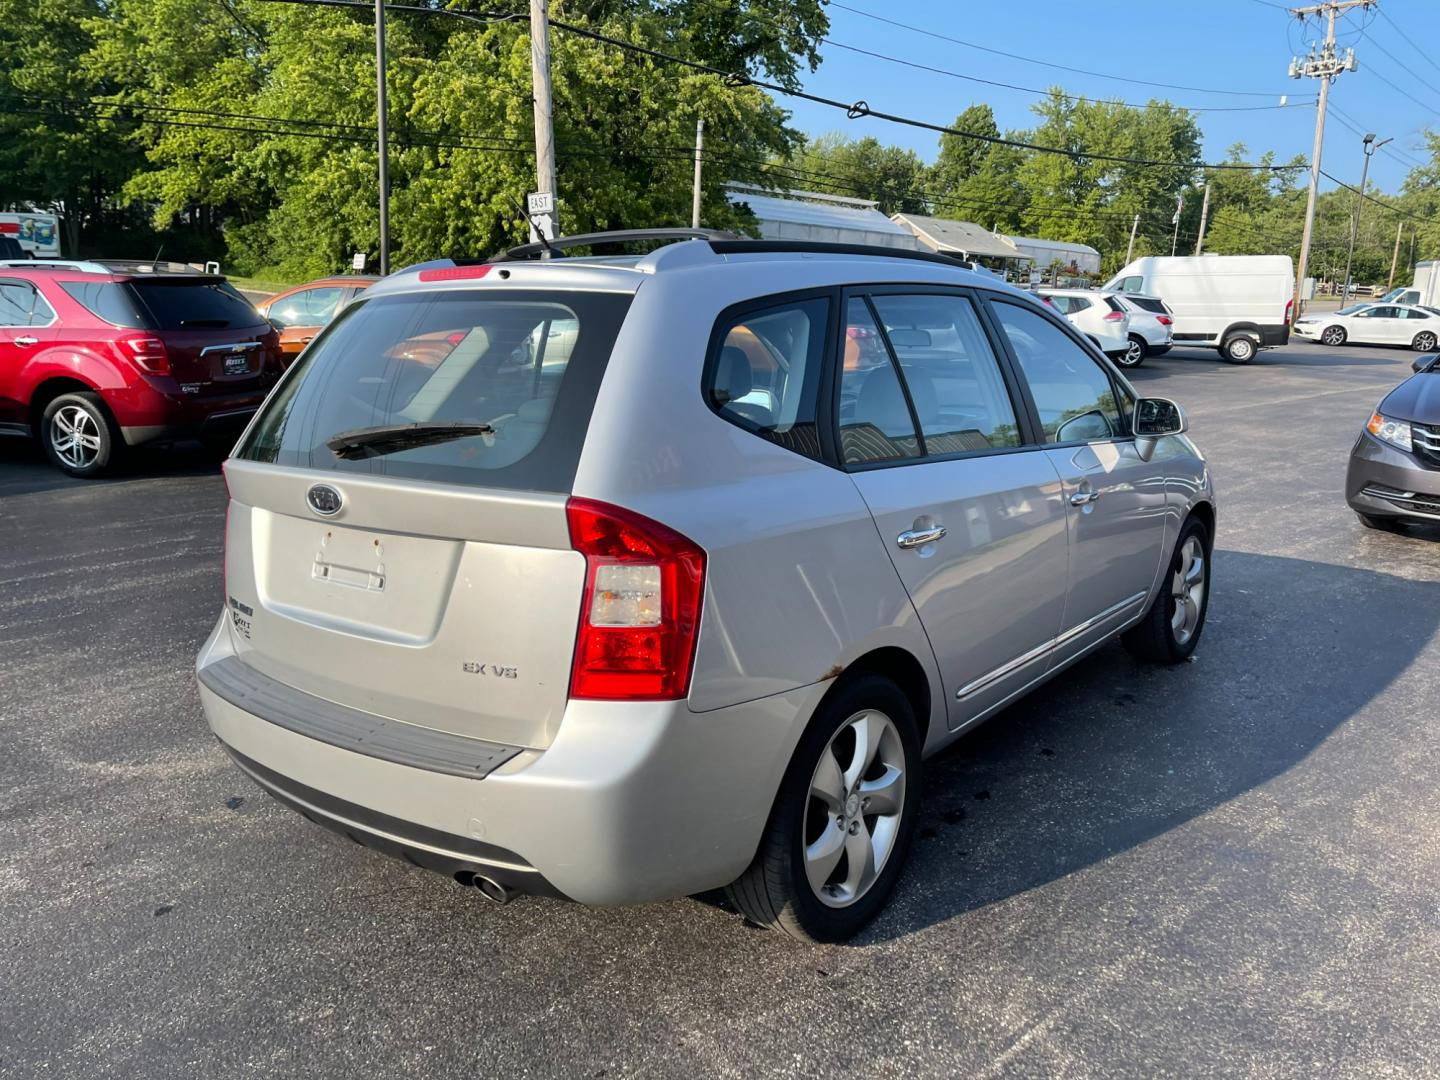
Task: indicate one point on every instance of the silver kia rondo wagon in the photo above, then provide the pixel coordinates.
(625, 578)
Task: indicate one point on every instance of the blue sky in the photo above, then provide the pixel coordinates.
(1237, 45)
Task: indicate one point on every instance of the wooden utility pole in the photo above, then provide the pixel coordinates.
(540, 92)
(1395, 258)
(699, 149)
(1130, 250)
(1204, 217)
(1324, 65)
(381, 138)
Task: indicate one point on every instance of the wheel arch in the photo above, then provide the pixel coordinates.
(902, 668)
(48, 389)
(1249, 329)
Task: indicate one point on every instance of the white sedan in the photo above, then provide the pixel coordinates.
(1374, 324)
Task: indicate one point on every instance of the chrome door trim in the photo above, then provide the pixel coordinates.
(1040, 650)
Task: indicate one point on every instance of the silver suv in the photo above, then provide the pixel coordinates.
(619, 579)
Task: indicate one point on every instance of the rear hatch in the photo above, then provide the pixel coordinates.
(217, 342)
(426, 577)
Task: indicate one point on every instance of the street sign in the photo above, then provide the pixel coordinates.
(540, 202)
(541, 221)
(358, 262)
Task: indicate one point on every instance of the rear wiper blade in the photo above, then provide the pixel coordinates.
(371, 442)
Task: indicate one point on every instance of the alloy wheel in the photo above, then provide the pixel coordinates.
(1424, 341)
(1134, 353)
(852, 817)
(1333, 335)
(75, 436)
(1187, 589)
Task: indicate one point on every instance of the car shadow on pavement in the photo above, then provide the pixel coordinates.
(1195, 361)
(1113, 753)
(25, 470)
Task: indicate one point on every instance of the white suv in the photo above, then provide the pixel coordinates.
(619, 579)
(1098, 315)
(1152, 328)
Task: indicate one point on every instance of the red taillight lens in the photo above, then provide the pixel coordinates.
(1114, 316)
(454, 273)
(640, 614)
(1289, 307)
(148, 353)
(1163, 320)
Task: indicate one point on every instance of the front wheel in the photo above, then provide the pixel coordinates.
(79, 435)
(1134, 354)
(1332, 335)
(841, 825)
(1171, 628)
(1239, 349)
(1424, 341)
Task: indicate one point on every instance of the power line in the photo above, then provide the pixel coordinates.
(1379, 202)
(1359, 128)
(1047, 63)
(854, 110)
(1046, 93)
(1408, 39)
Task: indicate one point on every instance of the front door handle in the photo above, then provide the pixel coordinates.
(27, 341)
(1084, 498)
(918, 537)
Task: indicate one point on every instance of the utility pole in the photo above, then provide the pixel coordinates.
(1370, 147)
(540, 92)
(1204, 216)
(1395, 258)
(1175, 240)
(1130, 250)
(381, 138)
(1324, 65)
(699, 149)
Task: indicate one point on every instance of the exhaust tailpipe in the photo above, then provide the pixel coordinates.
(492, 890)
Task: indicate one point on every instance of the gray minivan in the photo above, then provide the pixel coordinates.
(624, 578)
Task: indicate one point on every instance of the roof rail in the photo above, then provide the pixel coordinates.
(73, 265)
(146, 266)
(737, 246)
(618, 236)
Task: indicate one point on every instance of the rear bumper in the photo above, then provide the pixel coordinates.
(176, 416)
(1385, 481)
(632, 801)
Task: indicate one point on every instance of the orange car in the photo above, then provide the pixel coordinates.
(300, 313)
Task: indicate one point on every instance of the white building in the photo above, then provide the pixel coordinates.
(830, 219)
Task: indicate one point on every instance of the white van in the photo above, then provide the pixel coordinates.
(1238, 304)
(1424, 292)
(37, 234)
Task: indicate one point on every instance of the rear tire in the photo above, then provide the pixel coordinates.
(1170, 630)
(806, 878)
(80, 436)
(1424, 341)
(1239, 349)
(1381, 524)
(1134, 354)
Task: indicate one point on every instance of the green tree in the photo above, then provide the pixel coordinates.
(859, 168)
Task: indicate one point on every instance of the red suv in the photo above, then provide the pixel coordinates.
(98, 357)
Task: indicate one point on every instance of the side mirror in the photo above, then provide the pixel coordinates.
(1154, 419)
(1422, 363)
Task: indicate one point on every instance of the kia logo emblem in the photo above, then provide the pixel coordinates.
(324, 500)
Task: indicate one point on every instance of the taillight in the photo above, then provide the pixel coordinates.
(455, 273)
(640, 614)
(1114, 316)
(1289, 307)
(148, 353)
(1163, 320)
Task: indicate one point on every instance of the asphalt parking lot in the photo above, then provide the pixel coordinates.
(1228, 867)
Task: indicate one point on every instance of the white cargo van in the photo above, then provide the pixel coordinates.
(1238, 304)
(37, 234)
(1423, 293)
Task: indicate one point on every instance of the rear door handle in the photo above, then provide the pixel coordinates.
(1084, 498)
(27, 341)
(918, 537)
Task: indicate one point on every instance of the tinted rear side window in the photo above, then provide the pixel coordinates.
(193, 305)
(1148, 303)
(527, 363)
(108, 300)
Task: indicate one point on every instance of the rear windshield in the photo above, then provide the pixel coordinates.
(165, 304)
(526, 363)
(1148, 303)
